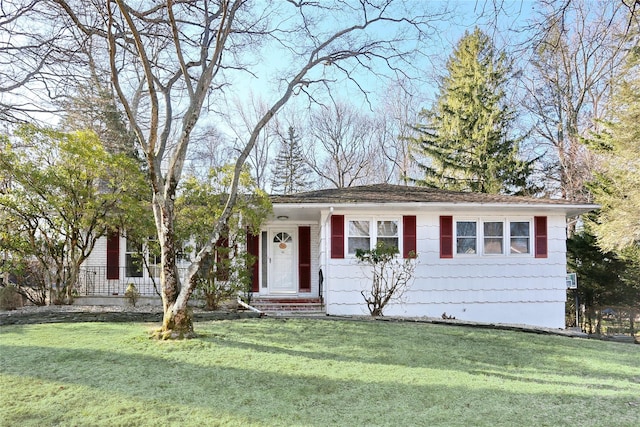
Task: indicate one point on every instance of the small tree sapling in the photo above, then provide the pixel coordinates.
(390, 276)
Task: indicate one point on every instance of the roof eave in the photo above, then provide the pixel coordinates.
(568, 209)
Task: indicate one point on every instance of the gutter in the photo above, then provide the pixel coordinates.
(569, 208)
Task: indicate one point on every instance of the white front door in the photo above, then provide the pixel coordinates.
(282, 266)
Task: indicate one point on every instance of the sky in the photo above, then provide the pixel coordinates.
(434, 52)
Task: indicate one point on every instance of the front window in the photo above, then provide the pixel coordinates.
(388, 233)
(466, 233)
(359, 236)
(365, 234)
(519, 237)
(138, 257)
(493, 237)
(133, 259)
(153, 257)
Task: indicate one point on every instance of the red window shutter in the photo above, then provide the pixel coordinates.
(253, 248)
(337, 236)
(113, 256)
(408, 235)
(540, 232)
(446, 237)
(304, 259)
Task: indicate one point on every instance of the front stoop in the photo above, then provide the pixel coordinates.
(289, 306)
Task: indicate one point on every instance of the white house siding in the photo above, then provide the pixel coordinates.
(93, 274)
(98, 258)
(484, 288)
(99, 254)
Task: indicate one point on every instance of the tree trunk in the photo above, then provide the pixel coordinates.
(177, 321)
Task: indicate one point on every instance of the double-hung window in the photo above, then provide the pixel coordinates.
(142, 260)
(365, 234)
(491, 237)
(520, 240)
(466, 236)
(387, 233)
(359, 236)
(133, 259)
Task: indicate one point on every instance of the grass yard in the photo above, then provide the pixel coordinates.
(267, 372)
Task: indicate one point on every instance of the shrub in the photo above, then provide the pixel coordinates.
(131, 294)
(390, 276)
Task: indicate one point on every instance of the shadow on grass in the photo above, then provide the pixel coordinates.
(428, 346)
(269, 398)
(327, 373)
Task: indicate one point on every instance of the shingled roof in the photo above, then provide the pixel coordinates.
(388, 193)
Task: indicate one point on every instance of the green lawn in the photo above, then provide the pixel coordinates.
(313, 373)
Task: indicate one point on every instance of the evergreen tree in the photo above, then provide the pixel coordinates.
(465, 142)
(291, 174)
(617, 187)
(605, 279)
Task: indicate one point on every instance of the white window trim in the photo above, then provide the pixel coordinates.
(506, 236)
(145, 252)
(373, 230)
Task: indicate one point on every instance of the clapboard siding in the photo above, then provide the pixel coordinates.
(488, 288)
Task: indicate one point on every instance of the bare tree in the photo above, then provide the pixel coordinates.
(249, 113)
(393, 119)
(171, 61)
(341, 145)
(209, 150)
(575, 57)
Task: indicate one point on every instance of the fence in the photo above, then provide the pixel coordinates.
(93, 281)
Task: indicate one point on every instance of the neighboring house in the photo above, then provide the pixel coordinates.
(481, 257)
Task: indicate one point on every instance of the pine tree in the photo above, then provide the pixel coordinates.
(290, 172)
(465, 143)
(617, 187)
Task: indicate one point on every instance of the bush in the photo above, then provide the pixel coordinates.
(390, 276)
(131, 294)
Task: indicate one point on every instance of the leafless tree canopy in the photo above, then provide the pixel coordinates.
(341, 147)
(578, 50)
(171, 62)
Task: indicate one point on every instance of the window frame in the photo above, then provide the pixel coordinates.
(530, 249)
(373, 230)
(480, 237)
(151, 260)
(502, 237)
(456, 236)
